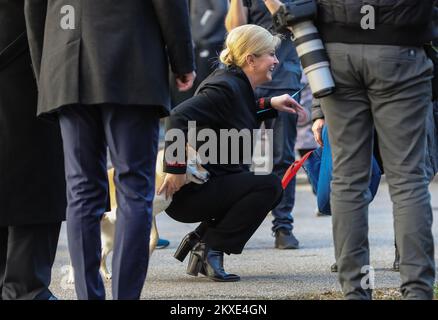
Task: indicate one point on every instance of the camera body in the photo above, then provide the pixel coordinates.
(298, 16)
(294, 12)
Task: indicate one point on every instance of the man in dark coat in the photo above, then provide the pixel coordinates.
(102, 67)
(32, 196)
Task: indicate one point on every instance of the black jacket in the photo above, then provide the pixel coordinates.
(32, 187)
(118, 53)
(398, 22)
(225, 100)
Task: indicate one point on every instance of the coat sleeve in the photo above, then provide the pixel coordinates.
(35, 13)
(173, 17)
(211, 108)
(265, 110)
(317, 110)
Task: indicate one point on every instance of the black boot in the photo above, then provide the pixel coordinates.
(213, 267)
(197, 258)
(187, 244)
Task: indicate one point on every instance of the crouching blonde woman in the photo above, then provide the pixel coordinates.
(234, 202)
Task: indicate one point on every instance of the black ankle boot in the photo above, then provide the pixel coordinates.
(213, 267)
(187, 244)
(197, 257)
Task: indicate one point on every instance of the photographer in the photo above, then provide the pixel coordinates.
(392, 97)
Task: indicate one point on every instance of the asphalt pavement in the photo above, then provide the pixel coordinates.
(266, 273)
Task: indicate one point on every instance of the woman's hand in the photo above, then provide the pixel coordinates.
(172, 183)
(317, 130)
(286, 103)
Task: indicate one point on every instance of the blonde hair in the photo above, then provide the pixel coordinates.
(246, 40)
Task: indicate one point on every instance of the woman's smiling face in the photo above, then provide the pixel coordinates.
(262, 67)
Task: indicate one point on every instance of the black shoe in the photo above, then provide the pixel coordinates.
(285, 239)
(213, 268)
(187, 244)
(334, 267)
(197, 258)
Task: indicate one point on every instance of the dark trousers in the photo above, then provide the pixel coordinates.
(131, 133)
(27, 254)
(230, 207)
(285, 135)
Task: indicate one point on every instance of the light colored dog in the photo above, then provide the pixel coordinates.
(195, 173)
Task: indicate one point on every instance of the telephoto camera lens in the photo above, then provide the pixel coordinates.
(298, 16)
(313, 58)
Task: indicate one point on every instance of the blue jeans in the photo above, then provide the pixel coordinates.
(285, 135)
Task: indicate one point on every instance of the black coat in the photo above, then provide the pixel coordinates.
(225, 100)
(118, 52)
(32, 188)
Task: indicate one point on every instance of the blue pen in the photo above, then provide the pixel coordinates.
(293, 96)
